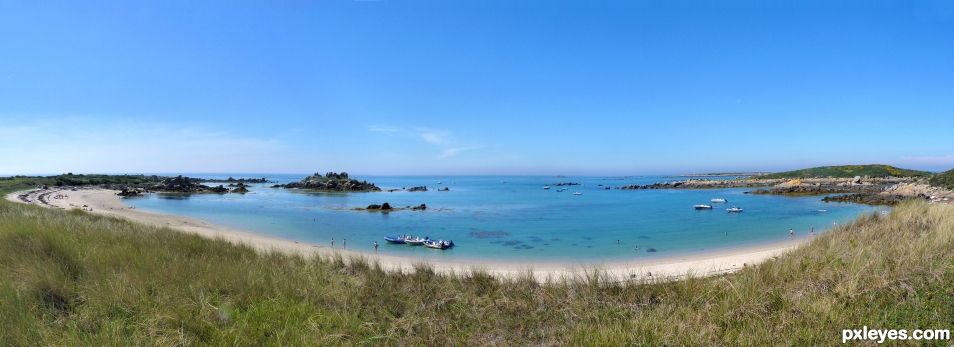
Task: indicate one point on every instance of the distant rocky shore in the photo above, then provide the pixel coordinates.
(864, 190)
(706, 184)
(237, 180)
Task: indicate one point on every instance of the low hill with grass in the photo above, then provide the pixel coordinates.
(848, 171)
(74, 278)
(944, 180)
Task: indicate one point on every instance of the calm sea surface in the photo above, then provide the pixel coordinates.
(514, 218)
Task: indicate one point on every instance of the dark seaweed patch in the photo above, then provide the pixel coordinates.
(487, 234)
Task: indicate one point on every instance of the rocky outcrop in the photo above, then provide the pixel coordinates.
(382, 207)
(237, 180)
(127, 192)
(445, 189)
(182, 184)
(332, 182)
(566, 184)
(417, 189)
(420, 207)
(870, 199)
(240, 188)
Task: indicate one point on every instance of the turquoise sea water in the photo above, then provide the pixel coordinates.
(514, 218)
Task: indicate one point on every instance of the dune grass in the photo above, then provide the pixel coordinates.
(73, 278)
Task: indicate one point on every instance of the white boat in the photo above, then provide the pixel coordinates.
(702, 207)
(577, 193)
(734, 209)
(546, 187)
(439, 244)
(416, 241)
(718, 200)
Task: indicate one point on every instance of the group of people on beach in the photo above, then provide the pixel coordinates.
(791, 233)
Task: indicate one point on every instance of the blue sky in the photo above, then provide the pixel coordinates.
(473, 87)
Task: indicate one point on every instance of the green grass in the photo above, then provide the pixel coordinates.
(943, 180)
(70, 179)
(73, 278)
(847, 171)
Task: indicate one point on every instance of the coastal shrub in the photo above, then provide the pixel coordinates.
(77, 279)
(944, 180)
(848, 171)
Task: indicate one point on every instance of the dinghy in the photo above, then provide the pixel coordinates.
(702, 207)
(416, 241)
(734, 209)
(439, 244)
(718, 200)
(396, 239)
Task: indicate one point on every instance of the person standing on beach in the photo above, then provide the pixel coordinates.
(332, 242)
(791, 233)
(375, 246)
(812, 232)
(344, 243)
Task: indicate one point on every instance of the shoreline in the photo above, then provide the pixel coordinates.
(707, 263)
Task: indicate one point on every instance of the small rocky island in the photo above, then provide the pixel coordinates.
(331, 182)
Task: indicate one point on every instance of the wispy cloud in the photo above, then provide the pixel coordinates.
(453, 151)
(384, 129)
(434, 136)
(448, 144)
(128, 147)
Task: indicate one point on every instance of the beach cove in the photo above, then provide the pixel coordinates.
(664, 263)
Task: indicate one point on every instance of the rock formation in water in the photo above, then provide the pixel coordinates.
(332, 182)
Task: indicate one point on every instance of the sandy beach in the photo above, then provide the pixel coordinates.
(106, 202)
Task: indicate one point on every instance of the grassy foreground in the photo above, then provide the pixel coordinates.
(72, 278)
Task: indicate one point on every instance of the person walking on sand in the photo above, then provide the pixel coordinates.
(375, 246)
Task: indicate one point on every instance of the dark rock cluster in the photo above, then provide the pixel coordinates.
(870, 199)
(332, 182)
